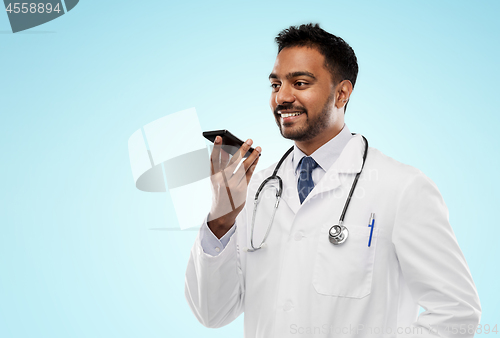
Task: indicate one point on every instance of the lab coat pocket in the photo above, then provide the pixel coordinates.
(345, 270)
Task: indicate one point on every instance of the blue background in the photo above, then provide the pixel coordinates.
(78, 257)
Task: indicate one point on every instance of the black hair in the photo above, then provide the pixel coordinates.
(340, 59)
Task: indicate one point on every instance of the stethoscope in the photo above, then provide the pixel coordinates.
(337, 234)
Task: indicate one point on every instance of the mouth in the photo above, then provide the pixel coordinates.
(289, 116)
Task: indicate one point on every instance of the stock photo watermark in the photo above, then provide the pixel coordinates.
(376, 331)
(25, 15)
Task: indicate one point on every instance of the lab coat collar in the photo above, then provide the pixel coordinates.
(349, 162)
(328, 153)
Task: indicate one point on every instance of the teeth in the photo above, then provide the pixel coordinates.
(290, 114)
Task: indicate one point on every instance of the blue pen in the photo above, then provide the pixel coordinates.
(371, 224)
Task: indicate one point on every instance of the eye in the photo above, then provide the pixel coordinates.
(275, 86)
(300, 83)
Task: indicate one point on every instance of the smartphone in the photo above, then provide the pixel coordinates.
(230, 143)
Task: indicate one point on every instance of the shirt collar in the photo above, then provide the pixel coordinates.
(328, 153)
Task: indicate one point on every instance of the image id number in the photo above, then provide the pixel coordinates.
(470, 329)
(32, 8)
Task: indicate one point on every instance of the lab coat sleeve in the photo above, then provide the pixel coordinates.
(210, 242)
(214, 286)
(432, 263)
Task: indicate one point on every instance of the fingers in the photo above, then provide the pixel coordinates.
(240, 154)
(253, 156)
(247, 162)
(251, 169)
(224, 158)
(214, 157)
(228, 190)
(242, 176)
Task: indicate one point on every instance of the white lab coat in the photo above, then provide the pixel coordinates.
(300, 285)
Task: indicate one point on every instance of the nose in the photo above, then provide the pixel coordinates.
(284, 95)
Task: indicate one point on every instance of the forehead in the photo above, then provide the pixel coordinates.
(298, 59)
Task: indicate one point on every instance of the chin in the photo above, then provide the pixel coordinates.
(294, 134)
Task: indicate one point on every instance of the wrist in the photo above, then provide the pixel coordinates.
(220, 226)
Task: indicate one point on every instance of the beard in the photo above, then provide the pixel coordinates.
(312, 126)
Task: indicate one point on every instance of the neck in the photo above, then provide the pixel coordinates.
(310, 146)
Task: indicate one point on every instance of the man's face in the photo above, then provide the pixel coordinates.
(302, 94)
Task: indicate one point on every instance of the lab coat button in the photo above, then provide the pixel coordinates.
(298, 236)
(288, 306)
(217, 249)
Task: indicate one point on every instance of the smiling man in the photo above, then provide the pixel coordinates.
(335, 239)
(295, 88)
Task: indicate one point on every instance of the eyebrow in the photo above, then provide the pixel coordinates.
(292, 75)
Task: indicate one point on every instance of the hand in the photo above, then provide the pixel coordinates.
(229, 190)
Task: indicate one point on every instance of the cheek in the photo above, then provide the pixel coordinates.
(310, 100)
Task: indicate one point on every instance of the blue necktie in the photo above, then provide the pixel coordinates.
(305, 184)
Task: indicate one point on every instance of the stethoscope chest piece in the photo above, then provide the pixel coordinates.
(338, 234)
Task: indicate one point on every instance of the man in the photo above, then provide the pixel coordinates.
(301, 283)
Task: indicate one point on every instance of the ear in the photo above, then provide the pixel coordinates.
(343, 93)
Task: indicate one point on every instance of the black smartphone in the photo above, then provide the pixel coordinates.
(230, 143)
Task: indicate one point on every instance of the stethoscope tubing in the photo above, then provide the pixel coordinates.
(279, 192)
(348, 200)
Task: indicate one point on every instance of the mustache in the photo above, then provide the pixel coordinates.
(289, 107)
